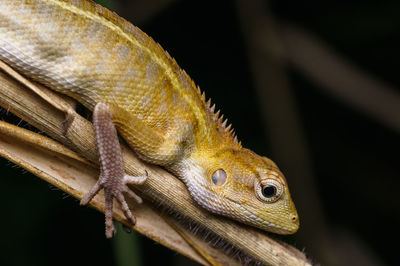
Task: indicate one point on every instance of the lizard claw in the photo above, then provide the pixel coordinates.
(114, 187)
(90, 195)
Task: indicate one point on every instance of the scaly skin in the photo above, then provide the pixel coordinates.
(89, 53)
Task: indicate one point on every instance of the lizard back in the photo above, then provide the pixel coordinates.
(83, 50)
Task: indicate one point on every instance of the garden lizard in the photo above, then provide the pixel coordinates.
(135, 88)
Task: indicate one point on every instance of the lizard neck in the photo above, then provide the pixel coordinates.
(197, 184)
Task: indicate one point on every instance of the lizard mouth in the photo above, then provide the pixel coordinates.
(255, 220)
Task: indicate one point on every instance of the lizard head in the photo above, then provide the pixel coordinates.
(244, 186)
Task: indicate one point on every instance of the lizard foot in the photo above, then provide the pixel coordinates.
(112, 174)
(114, 187)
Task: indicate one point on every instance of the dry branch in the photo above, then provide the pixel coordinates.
(161, 186)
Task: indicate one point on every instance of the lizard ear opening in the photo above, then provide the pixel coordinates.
(219, 177)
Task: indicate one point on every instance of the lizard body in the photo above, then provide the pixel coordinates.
(85, 51)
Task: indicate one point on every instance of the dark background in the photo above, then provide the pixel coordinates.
(340, 159)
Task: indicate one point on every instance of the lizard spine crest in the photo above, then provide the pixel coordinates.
(225, 129)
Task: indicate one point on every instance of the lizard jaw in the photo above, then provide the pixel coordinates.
(264, 224)
(201, 191)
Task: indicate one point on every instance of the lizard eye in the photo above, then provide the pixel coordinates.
(269, 190)
(219, 177)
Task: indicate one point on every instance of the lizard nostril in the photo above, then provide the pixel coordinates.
(294, 218)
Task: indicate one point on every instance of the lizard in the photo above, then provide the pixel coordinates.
(136, 89)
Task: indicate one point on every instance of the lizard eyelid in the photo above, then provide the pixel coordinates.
(269, 190)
